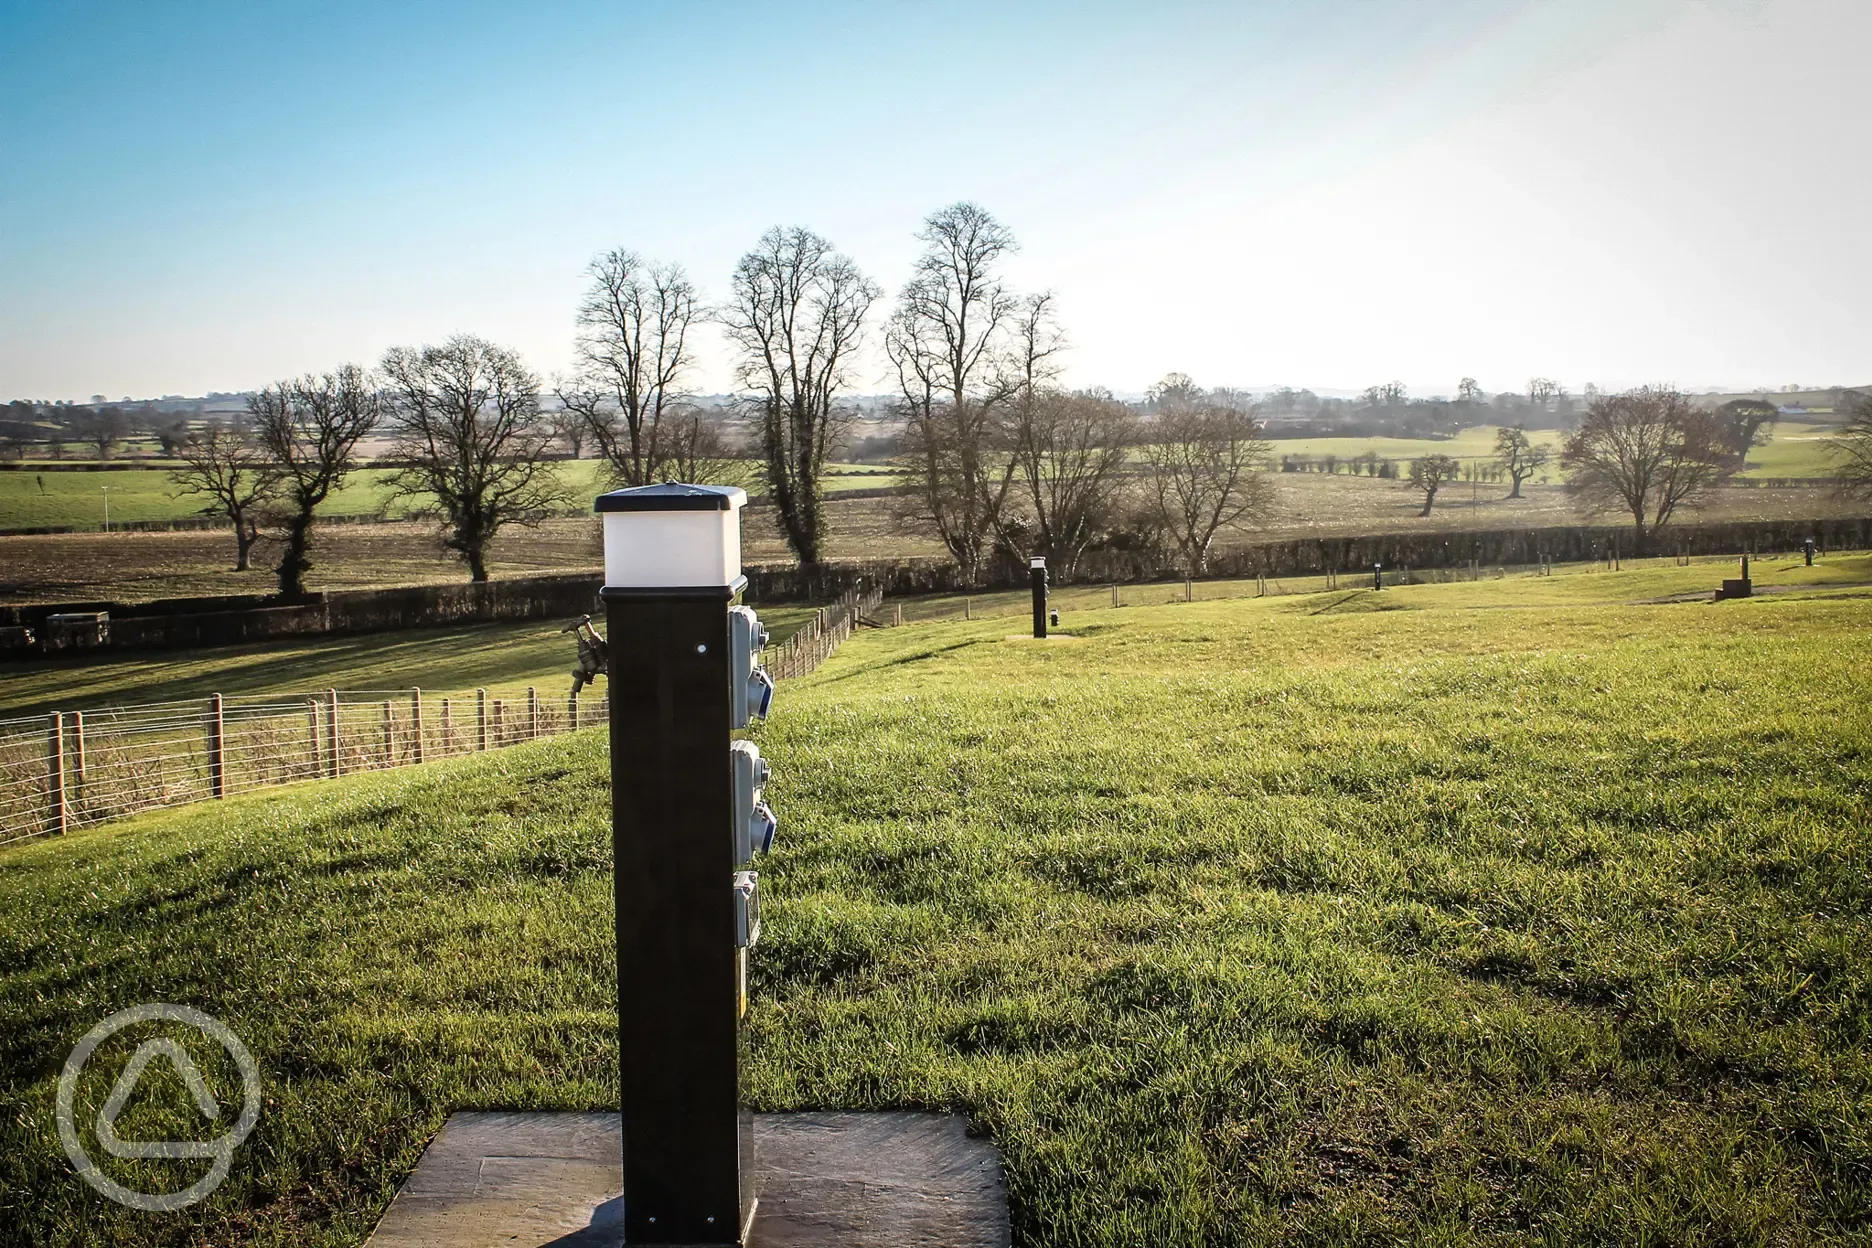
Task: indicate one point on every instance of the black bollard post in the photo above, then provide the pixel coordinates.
(1377, 576)
(1038, 571)
(1807, 547)
(686, 906)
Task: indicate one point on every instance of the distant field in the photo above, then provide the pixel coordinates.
(1332, 919)
(31, 499)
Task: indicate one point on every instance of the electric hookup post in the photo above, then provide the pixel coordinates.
(1037, 570)
(687, 819)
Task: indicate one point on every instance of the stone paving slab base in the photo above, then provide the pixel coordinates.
(887, 1180)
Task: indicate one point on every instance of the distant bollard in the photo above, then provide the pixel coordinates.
(1037, 575)
(1807, 548)
(1377, 576)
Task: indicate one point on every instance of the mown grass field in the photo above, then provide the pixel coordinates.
(1324, 919)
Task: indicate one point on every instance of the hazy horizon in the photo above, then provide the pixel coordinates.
(1608, 191)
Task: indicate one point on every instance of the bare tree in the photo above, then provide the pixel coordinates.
(232, 472)
(1468, 391)
(633, 349)
(945, 341)
(797, 314)
(1743, 425)
(1070, 449)
(1646, 452)
(1541, 391)
(310, 429)
(1390, 394)
(1430, 474)
(467, 423)
(104, 429)
(569, 426)
(1851, 448)
(696, 449)
(1517, 456)
(1204, 469)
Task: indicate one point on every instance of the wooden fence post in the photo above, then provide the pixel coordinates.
(78, 742)
(481, 719)
(416, 724)
(312, 738)
(1189, 590)
(533, 712)
(572, 711)
(448, 729)
(55, 772)
(389, 735)
(965, 610)
(898, 622)
(500, 723)
(217, 754)
(336, 759)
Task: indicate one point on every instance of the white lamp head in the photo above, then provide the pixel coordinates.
(672, 536)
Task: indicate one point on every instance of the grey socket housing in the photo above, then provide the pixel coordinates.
(750, 688)
(753, 824)
(747, 908)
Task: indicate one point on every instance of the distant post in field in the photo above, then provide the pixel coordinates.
(481, 719)
(448, 728)
(389, 734)
(1037, 574)
(1377, 576)
(533, 712)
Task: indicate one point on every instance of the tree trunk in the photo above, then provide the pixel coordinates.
(245, 531)
(294, 564)
(1516, 492)
(1427, 501)
(477, 566)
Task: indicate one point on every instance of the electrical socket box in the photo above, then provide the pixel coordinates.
(750, 687)
(747, 908)
(752, 823)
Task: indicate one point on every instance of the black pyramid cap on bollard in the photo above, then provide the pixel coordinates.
(672, 496)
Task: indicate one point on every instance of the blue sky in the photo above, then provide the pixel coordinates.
(210, 196)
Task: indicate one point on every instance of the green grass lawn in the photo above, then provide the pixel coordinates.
(1234, 922)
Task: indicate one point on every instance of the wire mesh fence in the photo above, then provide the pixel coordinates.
(73, 768)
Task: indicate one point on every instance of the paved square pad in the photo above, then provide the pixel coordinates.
(884, 1180)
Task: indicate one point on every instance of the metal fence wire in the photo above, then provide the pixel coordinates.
(70, 769)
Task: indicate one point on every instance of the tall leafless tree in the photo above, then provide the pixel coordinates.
(232, 472)
(1205, 468)
(633, 349)
(797, 313)
(1646, 452)
(466, 421)
(1851, 448)
(310, 429)
(1070, 450)
(946, 342)
(1518, 456)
